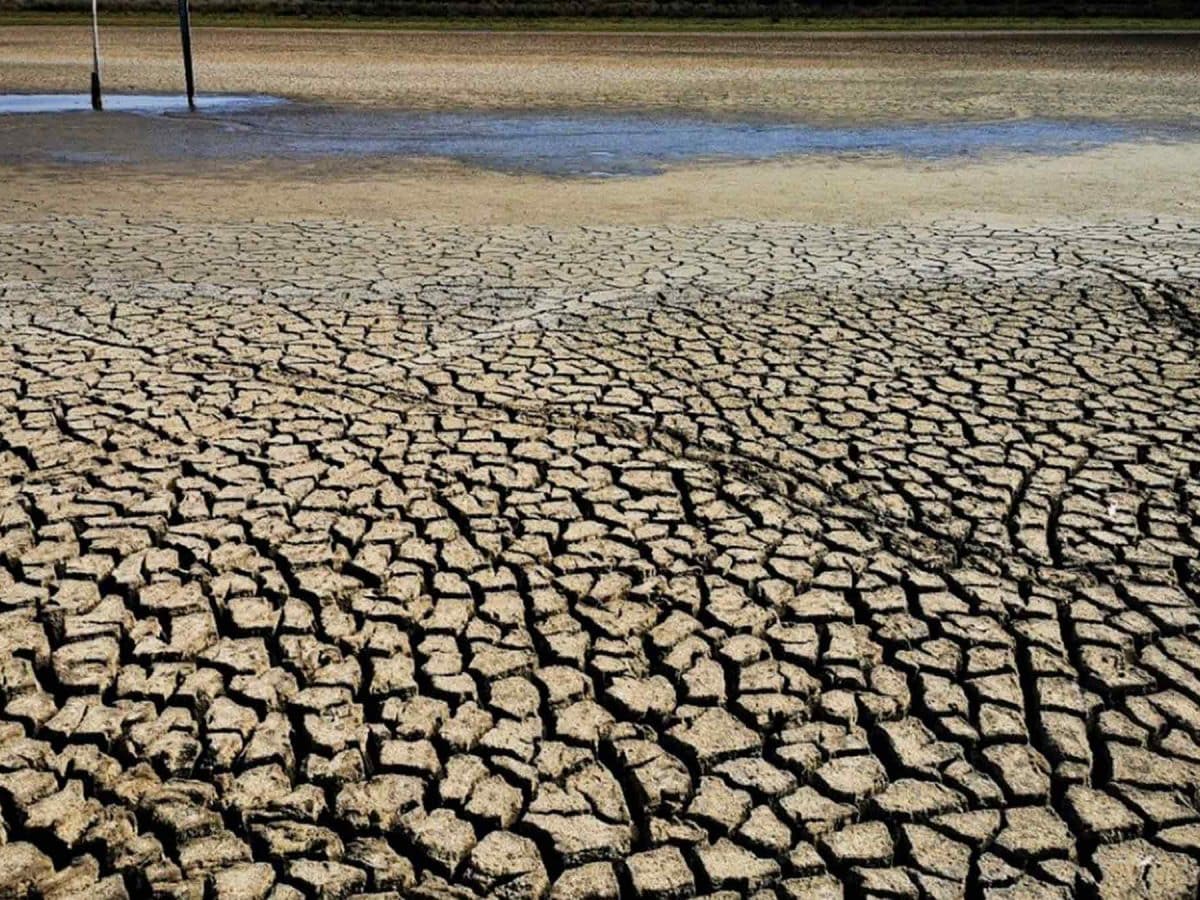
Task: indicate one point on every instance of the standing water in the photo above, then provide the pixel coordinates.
(52, 128)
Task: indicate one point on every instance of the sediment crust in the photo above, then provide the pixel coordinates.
(348, 558)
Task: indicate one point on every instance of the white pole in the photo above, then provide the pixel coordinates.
(97, 103)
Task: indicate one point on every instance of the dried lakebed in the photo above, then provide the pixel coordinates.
(141, 129)
(645, 562)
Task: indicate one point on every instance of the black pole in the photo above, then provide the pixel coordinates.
(97, 102)
(185, 33)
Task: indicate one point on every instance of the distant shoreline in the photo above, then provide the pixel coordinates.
(830, 25)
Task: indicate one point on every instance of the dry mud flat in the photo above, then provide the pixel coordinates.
(810, 78)
(592, 562)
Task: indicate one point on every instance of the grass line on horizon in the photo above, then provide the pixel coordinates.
(733, 26)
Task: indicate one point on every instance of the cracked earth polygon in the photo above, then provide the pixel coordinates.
(781, 561)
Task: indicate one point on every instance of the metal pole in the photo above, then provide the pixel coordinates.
(185, 33)
(97, 102)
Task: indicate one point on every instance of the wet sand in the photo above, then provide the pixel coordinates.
(817, 79)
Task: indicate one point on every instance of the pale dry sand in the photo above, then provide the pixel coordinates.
(1122, 181)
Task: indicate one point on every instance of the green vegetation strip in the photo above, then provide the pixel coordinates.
(259, 20)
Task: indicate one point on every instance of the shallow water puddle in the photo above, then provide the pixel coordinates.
(136, 128)
(28, 104)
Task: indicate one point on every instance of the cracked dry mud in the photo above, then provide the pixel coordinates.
(733, 559)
